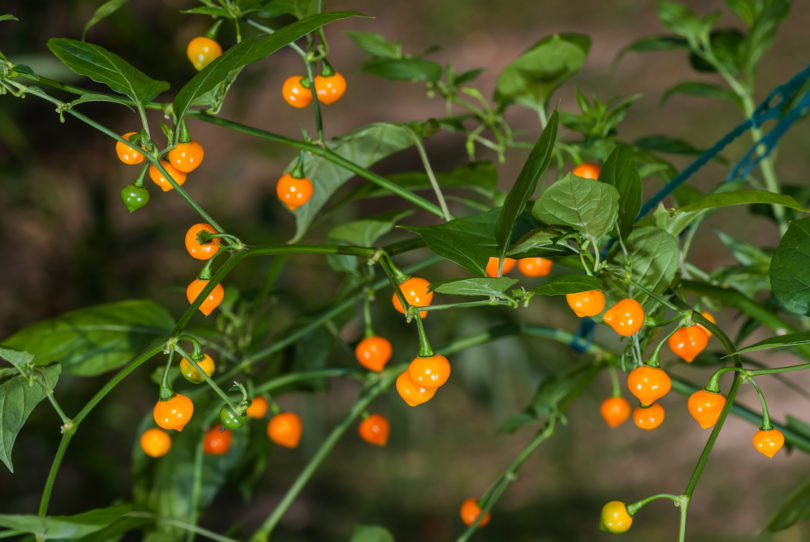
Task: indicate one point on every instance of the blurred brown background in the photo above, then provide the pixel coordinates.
(67, 242)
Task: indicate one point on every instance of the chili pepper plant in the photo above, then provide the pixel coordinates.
(591, 224)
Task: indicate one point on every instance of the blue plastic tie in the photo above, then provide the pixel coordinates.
(770, 108)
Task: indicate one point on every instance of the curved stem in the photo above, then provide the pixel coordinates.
(69, 431)
(326, 153)
(766, 417)
(269, 524)
(417, 141)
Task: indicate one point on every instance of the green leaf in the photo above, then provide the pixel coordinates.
(796, 508)
(403, 69)
(701, 90)
(790, 268)
(680, 20)
(619, 171)
(19, 359)
(371, 533)
(746, 10)
(542, 243)
(760, 36)
(366, 231)
(670, 145)
(164, 485)
(247, 52)
(525, 185)
(557, 391)
(742, 197)
(568, 284)
(102, 66)
(487, 287)
(653, 44)
(364, 147)
(482, 177)
(590, 206)
(653, 259)
(69, 527)
(469, 241)
(19, 396)
(517, 421)
(746, 253)
(96, 339)
(782, 341)
(8, 17)
(104, 10)
(376, 45)
(537, 73)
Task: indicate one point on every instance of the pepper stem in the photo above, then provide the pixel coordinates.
(326, 68)
(212, 32)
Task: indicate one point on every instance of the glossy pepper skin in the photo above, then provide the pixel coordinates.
(373, 353)
(330, 88)
(705, 407)
(416, 292)
(768, 442)
(295, 93)
(687, 342)
(134, 197)
(201, 51)
(589, 303)
(648, 384)
(375, 430)
(615, 410)
(587, 170)
(186, 157)
(293, 191)
(430, 371)
(615, 518)
(285, 429)
(649, 417)
(173, 413)
(413, 394)
(625, 317)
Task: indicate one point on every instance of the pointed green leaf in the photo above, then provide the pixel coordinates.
(796, 508)
(619, 171)
(19, 396)
(701, 90)
(371, 533)
(247, 52)
(104, 10)
(486, 287)
(105, 67)
(96, 339)
(590, 206)
(568, 284)
(65, 527)
(403, 69)
(782, 341)
(653, 256)
(366, 231)
(365, 146)
(376, 45)
(790, 268)
(537, 73)
(743, 197)
(525, 185)
(469, 241)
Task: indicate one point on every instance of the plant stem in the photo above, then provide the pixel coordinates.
(429, 170)
(151, 351)
(509, 476)
(266, 529)
(326, 153)
(208, 379)
(182, 524)
(315, 101)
